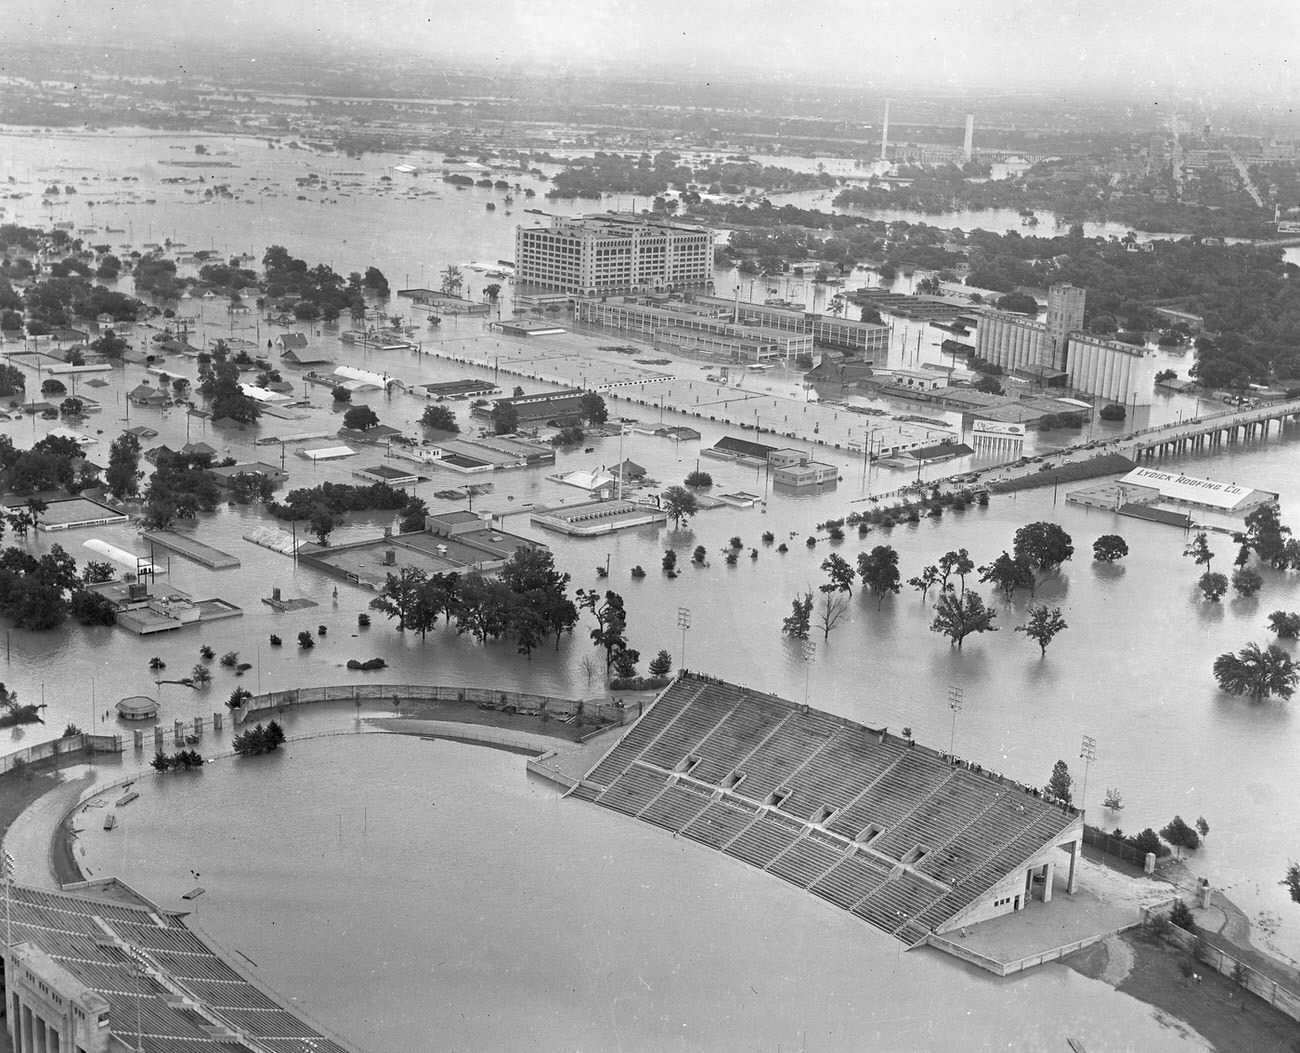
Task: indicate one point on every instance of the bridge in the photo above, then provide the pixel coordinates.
(1211, 432)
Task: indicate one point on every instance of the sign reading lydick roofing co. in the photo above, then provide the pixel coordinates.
(1208, 493)
(1151, 477)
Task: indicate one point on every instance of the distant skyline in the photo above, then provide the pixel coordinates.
(1146, 47)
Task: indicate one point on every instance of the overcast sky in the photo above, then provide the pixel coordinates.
(1245, 46)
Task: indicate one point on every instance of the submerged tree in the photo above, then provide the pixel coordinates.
(1108, 548)
(799, 622)
(1043, 625)
(1007, 574)
(957, 615)
(925, 581)
(1044, 546)
(1259, 673)
(878, 570)
(1198, 550)
(1213, 585)
(1285, 624)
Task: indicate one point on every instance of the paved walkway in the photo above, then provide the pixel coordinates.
(1106, 901)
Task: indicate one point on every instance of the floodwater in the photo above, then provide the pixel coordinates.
(1132, 670)
(397, 888)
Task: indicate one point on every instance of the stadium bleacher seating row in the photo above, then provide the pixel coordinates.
(80, 934)
(897, 834)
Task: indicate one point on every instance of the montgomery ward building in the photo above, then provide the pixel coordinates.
(615, 252)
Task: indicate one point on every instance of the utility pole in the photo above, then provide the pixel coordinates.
(683, 623)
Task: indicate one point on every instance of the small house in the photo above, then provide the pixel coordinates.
(291, 341)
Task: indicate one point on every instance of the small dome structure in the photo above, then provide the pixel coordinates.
(137, 707)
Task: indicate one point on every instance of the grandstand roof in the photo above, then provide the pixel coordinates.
(188, 997)
(903, 837)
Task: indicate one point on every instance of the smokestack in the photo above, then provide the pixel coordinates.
(970, 135)
(884, 135)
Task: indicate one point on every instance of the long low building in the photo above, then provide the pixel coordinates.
(1193, 492)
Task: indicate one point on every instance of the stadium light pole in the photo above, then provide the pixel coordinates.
(809, 653)
(955, 703)
(7, 872)
(1088, 753)
(683, 623)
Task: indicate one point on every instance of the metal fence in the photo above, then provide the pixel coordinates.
(1113, 846)
(1280, 997)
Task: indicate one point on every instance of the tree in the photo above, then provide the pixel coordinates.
(1044, 546)
(376, 282)
(698, 480)
(201, 675)
(1213, 585)
(124, 475)
(400, 594)
(1112, 411)
(593, 408)
(1060, 785)
(1043, 625)
(660, 664)
(879, 572)
(1285, 624)
(321, 523)
(1180, 914)
(957, 615)
(1112, 802)
(92, 608)
(830, 610)
(925, 581)
(1148, 841)
(625, 662)
(340, 394)
(679, 503)
(1007, 574)
(360, 418)
(1180, 835)
(440, 418)
(1108, 548)
(452, 280)
(611, 622)
(1267, 536)
(1259, 673)
(1202, 827)
(1246, 581)
(959, 563)
(839, 574)
(990, 386)
(505, 417)
(492, 292)
(1292, 881)
(1198, 550)
(799, 623)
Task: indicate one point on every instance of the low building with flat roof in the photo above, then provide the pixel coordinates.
(1192, 492)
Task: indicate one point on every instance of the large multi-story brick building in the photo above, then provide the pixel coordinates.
(616, 253)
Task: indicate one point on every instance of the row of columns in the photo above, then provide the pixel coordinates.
(31, 1034)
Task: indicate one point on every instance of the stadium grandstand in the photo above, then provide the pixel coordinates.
(108, 971)
(908, 839)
